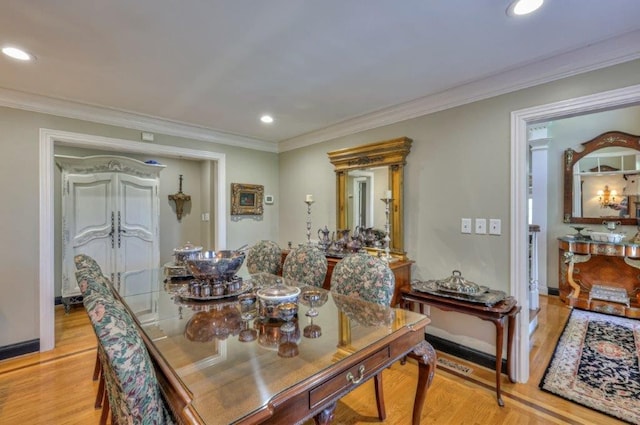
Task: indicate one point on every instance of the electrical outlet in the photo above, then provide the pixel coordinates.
(495, 226)
(481, 226)
(465, 225)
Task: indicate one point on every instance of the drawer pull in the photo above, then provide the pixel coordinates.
(357, 380)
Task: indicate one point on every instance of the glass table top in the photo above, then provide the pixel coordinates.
(234, 363)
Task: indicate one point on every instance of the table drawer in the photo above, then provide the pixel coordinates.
(340, 382)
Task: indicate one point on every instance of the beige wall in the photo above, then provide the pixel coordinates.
(459, 166)
(19, 149)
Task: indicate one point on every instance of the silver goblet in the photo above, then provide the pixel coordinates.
(247, 306)
(287, 311)
(312, 296)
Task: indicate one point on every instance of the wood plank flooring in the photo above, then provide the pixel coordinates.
(56, 387)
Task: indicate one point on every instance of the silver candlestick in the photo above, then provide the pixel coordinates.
(308, 220)
(387, 239)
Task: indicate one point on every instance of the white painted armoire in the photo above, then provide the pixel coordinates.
(110, 211)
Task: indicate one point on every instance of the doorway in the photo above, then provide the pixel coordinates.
(49, 139)
(519, 179)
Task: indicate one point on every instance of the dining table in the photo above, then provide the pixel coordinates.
(219, 362)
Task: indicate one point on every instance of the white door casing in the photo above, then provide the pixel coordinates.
(49, 138)
(519, 227)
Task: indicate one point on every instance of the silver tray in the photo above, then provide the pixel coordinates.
(481, 290)
(487, 296)
(184, 294)
(173, 270)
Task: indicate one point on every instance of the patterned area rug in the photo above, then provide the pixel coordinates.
(596, 363)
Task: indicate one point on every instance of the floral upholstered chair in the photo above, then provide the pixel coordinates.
(92, 285)
(83, 261)
(132, 387)
(264, 256)
(305, 264)
(365, 276)
(90, 279)
(362, 276)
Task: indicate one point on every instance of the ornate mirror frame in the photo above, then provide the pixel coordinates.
(388, 153)
(571, 158)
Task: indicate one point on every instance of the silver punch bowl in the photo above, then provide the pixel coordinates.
(216, 265)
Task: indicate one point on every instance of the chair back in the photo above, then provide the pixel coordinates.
(365, 276)
(90, 282)
(132, 386)
(83, 261)
(306, 264)
(264, 256)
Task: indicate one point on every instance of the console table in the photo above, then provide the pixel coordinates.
(497, 314)
(401, 270)
(609, 268)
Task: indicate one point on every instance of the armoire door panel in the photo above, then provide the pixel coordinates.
(110, 211)
(137, 205)
(91, 205)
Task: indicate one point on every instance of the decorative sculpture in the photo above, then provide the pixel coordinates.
(180, 198)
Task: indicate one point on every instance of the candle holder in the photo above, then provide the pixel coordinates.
(387, 239)
(309, 220)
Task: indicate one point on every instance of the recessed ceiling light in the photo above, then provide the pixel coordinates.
(15, 53)
(267, 119)
(523, 7)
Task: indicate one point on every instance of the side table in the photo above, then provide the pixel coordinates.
(505, 310)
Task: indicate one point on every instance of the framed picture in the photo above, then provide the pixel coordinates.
(246, 199)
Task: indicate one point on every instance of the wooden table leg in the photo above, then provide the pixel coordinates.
(499, 335)
(510, 332)
(426, 357)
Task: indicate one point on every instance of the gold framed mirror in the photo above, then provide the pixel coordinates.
(602, 182)
(353, 165)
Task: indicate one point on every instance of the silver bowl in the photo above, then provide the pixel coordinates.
(216, 265)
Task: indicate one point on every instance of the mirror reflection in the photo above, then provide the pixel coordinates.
(609, 184)
(364, 176)
(603, 181)
(365, 188)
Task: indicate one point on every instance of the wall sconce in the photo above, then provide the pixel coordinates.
(180, 198)
(606, 197)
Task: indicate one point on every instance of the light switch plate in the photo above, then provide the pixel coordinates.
(481, 226)
(465, 225)
(495, 226)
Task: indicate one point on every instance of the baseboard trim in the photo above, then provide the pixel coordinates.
(14, 350)
(465, 353)
(553, 291)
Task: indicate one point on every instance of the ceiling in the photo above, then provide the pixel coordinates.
(322, 69)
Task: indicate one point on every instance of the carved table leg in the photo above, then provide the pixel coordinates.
(426, 357)
(326, 415)
(499, 335)
(571, 259)
(512, 325)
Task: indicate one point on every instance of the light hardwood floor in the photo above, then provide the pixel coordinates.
(56, 387)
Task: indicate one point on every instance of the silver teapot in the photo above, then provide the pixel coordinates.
(324, 241)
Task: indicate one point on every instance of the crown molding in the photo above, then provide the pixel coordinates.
(65, 108)
(596, 56)
(606, 53)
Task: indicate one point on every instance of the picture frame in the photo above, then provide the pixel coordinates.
(246, 199)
